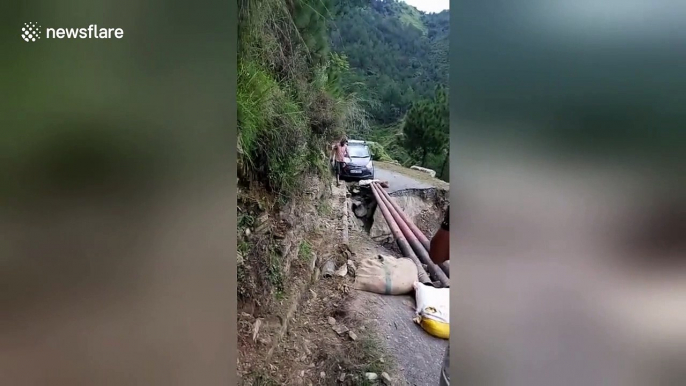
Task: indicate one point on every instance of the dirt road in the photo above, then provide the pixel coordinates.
(294, 343)
(417, 354)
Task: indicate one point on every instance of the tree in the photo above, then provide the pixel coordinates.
(426, 126)
(311, 18)
(392, 44)
(445, 162)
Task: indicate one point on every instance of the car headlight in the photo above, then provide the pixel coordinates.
(369, 165)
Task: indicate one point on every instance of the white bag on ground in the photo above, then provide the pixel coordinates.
(433, 309)
(385, 274)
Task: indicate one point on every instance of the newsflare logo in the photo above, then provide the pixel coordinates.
(32, 31)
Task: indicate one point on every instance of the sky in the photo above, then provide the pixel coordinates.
(429, 5)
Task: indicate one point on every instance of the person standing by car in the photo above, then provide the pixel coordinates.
(440, 252)
(340, 152)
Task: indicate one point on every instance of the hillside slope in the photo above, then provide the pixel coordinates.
(397, 54)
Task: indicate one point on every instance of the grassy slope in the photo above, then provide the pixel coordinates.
(288, 109)
(409, 15)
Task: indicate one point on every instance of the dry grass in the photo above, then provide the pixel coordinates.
(310, 346)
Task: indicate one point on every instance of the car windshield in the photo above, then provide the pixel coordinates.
(357, 151)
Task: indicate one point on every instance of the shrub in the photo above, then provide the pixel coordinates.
(273, 131)
(378, 152)
(290, 105)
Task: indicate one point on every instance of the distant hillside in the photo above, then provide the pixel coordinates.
(398, 55)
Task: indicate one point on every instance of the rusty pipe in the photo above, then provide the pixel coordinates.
(420, 236)
(400, 238)
(418, 233)
(418, 248)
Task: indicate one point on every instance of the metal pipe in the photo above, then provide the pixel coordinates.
(400, 238)
(420, 236)
(417, 232)
(412, 240)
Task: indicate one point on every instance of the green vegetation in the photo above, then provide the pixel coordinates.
(395, 53)
(291, 105)
(379, 152)
(398, 56)
(311, 70)
(426, 127)
(324, 208)
(274, 272)
(367, 355)
(305, 251)
(261, 379)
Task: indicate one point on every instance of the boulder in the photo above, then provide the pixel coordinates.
(430, 172)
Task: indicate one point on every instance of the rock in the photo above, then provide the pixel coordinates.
(322, 375)
(313, 262)
(430, 172)
(286, 218)
(351, 267)
(381, 360)
(332, 321)
(342, 271)
(360, 210)
(247, 231)
(240, 258)
(371, 376)
(256, 329)
(340, 329)
(328, 268)
(386, 378)
(263, 228)
(352, 335)
(341, 377)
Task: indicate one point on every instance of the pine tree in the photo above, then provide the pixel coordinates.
(426, 127)
(312, 17)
